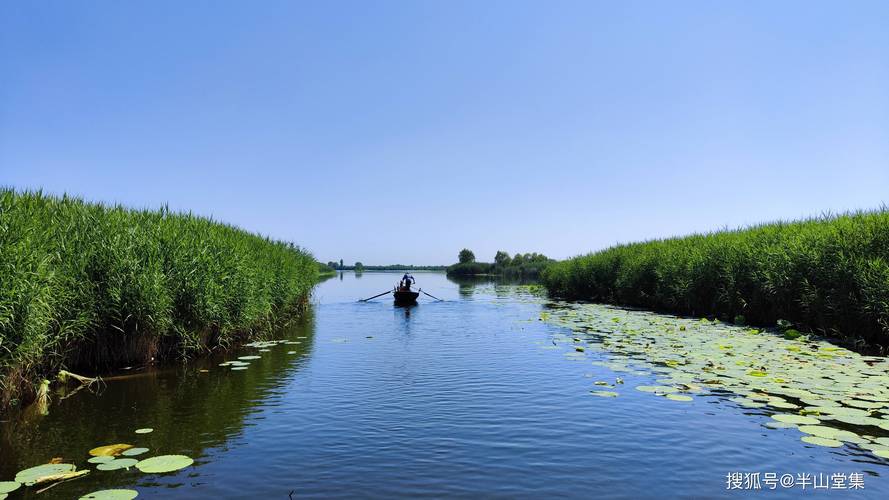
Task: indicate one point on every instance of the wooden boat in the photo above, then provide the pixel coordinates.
(404, 297)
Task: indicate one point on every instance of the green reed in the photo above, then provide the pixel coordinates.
(829, 275)
(95, 287)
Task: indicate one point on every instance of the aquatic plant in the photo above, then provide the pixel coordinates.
(93, 287)
(829, 274)
(831, 395)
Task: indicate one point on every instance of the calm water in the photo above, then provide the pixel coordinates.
(462, 398)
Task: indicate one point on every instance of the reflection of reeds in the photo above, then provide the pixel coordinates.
(829, 274)
(94, 287)
(42, 400)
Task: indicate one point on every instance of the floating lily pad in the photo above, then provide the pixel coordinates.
(679, 397)
(132, 452)
(784, 405)
(30, 475)
(604, 394)
(820, 441)
(101, 459)
(111, 495)
(291, 352)
(110, 450)
(9, 486)
(164, 463)
(779, 425)
(881, 453)
(249, 357)
(657, 389)
(240, 367)
(830, 433)
(146, 430)
(796, 419)
(120, 463)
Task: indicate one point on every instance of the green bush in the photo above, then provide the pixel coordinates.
(829, 274)
(93, 287)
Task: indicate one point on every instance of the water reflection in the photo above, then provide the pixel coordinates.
(194, 408)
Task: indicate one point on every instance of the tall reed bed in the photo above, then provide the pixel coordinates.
(829, 275)
(93, 287)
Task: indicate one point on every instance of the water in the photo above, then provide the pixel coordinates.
(463, 398)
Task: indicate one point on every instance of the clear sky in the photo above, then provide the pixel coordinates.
(403, 131)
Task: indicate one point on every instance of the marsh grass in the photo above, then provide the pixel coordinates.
(92, 287)
(829, 274)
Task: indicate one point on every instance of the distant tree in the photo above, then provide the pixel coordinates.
(502, 258)
(466, 256)
(359, 267)
(331, 265)
(341, 263)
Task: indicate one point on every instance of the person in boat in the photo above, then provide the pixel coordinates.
(406, 282)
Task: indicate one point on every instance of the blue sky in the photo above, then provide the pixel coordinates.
(403, 131)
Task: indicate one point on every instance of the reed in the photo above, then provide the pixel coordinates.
(92, 287)
(828, 274)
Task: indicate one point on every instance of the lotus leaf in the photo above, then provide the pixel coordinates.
(164, 463)
(119, 463)
(30, 475)
(110, 450)
(820, 441)
(604, 394)
(679, 397)
(9, 486)
(796, 419)
(111, 495)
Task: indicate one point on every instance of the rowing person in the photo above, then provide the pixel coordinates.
(406, 281)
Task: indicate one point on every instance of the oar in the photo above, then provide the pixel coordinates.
(433, 296)
(375, 296)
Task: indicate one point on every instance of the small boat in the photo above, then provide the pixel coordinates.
(405, 297)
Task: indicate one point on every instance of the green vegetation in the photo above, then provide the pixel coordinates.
(829, 275)
(389, 267)
(325, 269)
(92, 287)
(465, 256)
(830, 394)
(528, 265)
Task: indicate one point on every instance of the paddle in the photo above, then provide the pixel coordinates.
(375, 296)
(433, 296)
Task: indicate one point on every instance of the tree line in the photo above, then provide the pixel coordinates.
(522, 265)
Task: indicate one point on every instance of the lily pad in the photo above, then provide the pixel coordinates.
(111, 495)
(110, 450)
(120, 463)
(247, 358)
(882, 453)
(29, 476)
(132, 452)
(9, 486)
(240, 367)
(101, 459)
(164, 463)
(820, 441)
(679, 397)
(779, 425)
(604, 394)
(830, 433)
(796, 419)
(146, 430)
